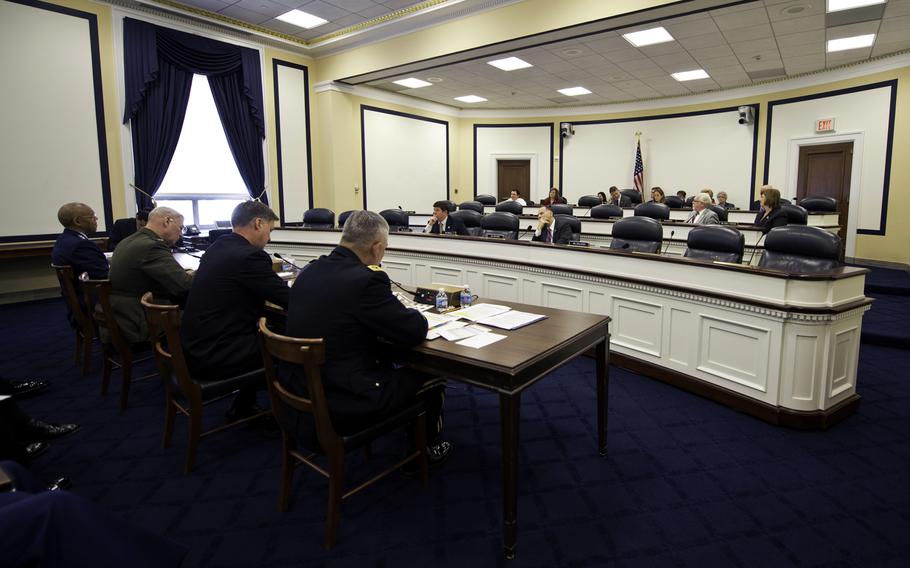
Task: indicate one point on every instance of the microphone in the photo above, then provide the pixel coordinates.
(399, 207)
(287, 260)
(755, 248)
(530, 228)
(673, 232)
(625, 246)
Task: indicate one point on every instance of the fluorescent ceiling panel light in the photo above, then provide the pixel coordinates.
(470, 99)
(413, 83)
(648, 37)
(854, 42)
(839, 5)
(690, 75)
(574, 91)
(510, 64)
(301, 19)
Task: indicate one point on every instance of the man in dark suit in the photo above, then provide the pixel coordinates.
(125, 227)
(617, 198)
(231, 286)
(346, 299)
(441, 223)
(73, 247)
(549, 230)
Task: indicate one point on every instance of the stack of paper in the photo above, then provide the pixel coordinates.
(479, 311)
(511, 319)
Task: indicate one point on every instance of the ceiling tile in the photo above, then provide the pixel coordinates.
(707, 40)
(767, 61)
(896, 24)
(681, 61)
(797, 50)
(880, 49)
(897, 8)
(720, 63)
(852, 30)
(606, 44)
(374, 12)
(749, 48)
(805, 63)
(323, 10)
(624, 55)
(740, 19)
(266, 7)
(845, 57)
(813, 37)
(761, 31)
(246, 15)
(796, 10)
(797, 25)
(210, 5)
(660, 49)
(704, 25)
(711, 52)
(351, 5)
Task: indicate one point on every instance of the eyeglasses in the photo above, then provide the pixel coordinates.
(94, 217)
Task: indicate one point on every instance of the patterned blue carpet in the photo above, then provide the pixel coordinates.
(687, 482)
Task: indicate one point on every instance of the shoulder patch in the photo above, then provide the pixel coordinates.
(374, 267)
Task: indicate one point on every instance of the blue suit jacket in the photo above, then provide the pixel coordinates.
(75, 249)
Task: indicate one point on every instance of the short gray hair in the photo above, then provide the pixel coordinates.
(161, 212)
(363, 228)
(703, 198)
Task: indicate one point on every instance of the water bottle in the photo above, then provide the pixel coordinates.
(442, 301)
(466, 297)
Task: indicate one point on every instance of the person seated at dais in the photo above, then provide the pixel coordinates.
(617, 198)
(441, 222)
(553, 198)
(771, 214)
(73, 247)
(722, 200)
(549, 230)
(657, 195)
(702, 214)
(710, 193)
(125, 227)
(602, 196)
(681, 194)
(515, 196)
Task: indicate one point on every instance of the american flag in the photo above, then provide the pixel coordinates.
(638, 178)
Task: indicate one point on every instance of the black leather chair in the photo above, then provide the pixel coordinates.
(485, 199)
(721, 212)
(801, 249)
(784, 201)
(714, 242)
(652, 210)
(501, 224)
(588, 201)
(574, 222)
(509, 206)
(215, 234)
(450, 205)
(319, 218)
(796, 215)
(674, 202)
(561, 209)
(606, 211)
(637, 234)
(819, 204)
(397, 219)
(689, 200)
(343, 217)
(471, 206)
(471, 220)
(633, 194)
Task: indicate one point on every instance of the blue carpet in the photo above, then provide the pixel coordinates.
(887, 281)
(687, 482)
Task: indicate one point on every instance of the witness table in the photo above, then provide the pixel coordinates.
(512, 365)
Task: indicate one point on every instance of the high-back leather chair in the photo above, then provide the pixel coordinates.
(215, 234)
(471, 220)
(450, 205)
(721, 213)
(606, 211)
(689, 200)
(185, 393)
(652, 210)
(674, 202)
(308, 356)
(819, 204)
(801, 249)
(485, 199)
(574, 222)
(509, 206)
(561, 209)
(637, 234)
(471, 206)
(501, 224)
(319, 218)
(397, 219)
(715, 242)
(344, 217)
(633, 194)
(79, 316)
(796, 215)
(588, 201)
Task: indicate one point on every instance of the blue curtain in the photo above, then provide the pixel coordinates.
(159, 64)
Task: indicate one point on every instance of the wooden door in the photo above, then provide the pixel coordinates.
(513, 174)
(824, 170)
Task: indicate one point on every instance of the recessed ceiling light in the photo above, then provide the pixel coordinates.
(470, 99)
(793, 9)
(574, 91)
(510, 64)
(435, 79)
(854, 42)
(838, 5)
(301, 19)
(571, 52)
(690, 75)
(412, 83)
(648, 37)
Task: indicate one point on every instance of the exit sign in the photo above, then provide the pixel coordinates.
(824, 125)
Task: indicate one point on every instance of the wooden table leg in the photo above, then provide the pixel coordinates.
(603, 376)
(509, 405)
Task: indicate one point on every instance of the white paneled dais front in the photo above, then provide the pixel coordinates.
(736, 353)
(637, 325)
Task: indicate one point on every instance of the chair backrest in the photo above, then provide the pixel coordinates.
(714, 242)
(818, 204)
(652, 210)
(164, 324)
(784, 201)
(797, 248)
(561, 209)
(397, 219)
(633, 194)
(471, 220)
(509, 206)
(588, 201)
(343, 217)
(721, 213)
(573, 222)
(689, 200)
(98, 292)
(450, 205)
(319, 218)
(215, 234)
(80, 313)
(637, 234)
(674, 202)
(485, 199)
(796, 215)
(471, 206)
(606, 211)
(500, 224)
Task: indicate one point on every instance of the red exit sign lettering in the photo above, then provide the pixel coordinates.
(824, 125)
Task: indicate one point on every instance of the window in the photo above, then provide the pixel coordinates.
(202, 182)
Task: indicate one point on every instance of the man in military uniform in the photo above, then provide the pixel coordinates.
(346, 299)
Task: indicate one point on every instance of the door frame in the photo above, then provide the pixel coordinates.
(494, 170)
(856, 137)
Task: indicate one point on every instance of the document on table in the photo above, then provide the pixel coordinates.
(481, 340)
(479, 311)
(435, 320)
(511, 319)
(438, 331)
(462, 332)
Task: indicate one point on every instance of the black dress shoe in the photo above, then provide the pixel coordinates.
(35, 449)
(41, 430)
(436, 454)
(60, 484)
(21, 389)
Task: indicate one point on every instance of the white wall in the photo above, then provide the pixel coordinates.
(293, 141)
(689, 153)
(405, 161)
(49, 139)
(494, 143)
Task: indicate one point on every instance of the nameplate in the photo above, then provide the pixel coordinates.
(579, 244)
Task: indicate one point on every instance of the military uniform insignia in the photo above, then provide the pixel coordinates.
(374, 267)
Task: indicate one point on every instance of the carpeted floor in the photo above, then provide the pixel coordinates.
(687, 482)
